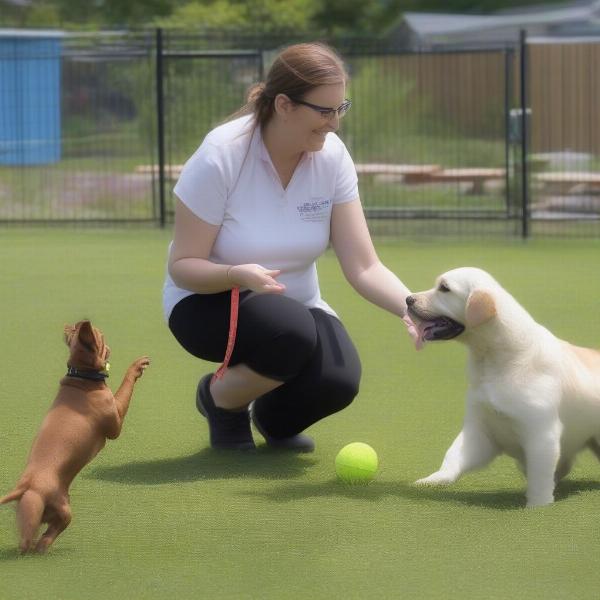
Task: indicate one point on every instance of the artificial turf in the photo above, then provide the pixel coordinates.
(159, 515)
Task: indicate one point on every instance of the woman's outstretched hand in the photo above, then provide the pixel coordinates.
(256, 278)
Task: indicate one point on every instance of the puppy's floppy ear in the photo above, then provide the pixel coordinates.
(68, 331)
(481, 307)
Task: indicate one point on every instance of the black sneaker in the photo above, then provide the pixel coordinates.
(228, 428)
(296, 443)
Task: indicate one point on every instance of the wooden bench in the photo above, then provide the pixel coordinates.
(171, 171)
(562, 182)
(475, 176)
(405, 173)
(409, 174)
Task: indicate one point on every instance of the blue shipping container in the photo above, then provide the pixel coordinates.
(29, 97)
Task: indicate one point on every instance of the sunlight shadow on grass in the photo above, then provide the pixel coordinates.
(12, 553)
(378, 490)
(7, 554)
(207, 464)
(574, 487)
(492, 499)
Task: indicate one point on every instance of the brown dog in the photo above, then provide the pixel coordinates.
(83, 415)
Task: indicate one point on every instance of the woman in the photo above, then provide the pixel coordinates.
(257, 204)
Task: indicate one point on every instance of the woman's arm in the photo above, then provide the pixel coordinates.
(362, 268)
(190, 268)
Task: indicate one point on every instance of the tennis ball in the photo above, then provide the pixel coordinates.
(356, 463)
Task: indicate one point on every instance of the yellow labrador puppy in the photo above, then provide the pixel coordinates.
(531, 395)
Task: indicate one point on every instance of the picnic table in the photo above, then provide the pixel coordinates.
(171, 171)
(413, 173)
(562, 182)
(475, 176)
(409, 173)
(406, 173)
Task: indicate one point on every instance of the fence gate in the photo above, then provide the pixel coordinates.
(197, 89)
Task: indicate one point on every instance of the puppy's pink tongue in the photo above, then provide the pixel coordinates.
(414, 332)
(424, 330)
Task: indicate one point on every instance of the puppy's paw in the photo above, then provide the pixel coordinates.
(438, 478)
(538, 502)
(139, 366)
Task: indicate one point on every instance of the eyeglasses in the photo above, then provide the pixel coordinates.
(327, 113)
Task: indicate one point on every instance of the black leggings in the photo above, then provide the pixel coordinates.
(278, 337)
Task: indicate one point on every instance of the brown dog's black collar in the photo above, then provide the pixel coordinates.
(92, 375)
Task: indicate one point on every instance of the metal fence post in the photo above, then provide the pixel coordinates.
(160, 110)
(261, 66)
(525, 135)
(508, 98)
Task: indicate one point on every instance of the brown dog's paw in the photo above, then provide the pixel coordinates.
(139, 366)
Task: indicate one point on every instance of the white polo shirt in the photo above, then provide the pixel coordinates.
(230, 181)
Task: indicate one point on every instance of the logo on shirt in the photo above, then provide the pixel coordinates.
(317, 209)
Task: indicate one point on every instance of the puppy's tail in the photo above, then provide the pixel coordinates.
(16, 494)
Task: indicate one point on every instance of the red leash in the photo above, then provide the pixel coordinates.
(233, 321)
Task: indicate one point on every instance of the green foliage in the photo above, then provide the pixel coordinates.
(199, 95)
(332, 16)
(254, 15)
(43, 15)
(134, 12)
(383, 114)
(220, 13)
(356, 16)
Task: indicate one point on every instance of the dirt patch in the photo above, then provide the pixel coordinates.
(75, 194)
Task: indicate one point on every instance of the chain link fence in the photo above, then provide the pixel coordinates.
(505, 141)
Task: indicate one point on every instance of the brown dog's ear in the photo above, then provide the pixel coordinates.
(86, 335)
(68, 331)
(480, 308)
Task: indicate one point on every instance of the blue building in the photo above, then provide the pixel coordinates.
(29, 97)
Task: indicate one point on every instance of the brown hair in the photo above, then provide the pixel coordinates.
(296, 70)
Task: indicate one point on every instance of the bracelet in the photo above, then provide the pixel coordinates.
(229, 269)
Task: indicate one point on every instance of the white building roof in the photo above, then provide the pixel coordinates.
(434, 24)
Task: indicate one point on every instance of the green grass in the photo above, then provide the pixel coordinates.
(428, 198)
(394, 145)
(83, 189)
(159, 515)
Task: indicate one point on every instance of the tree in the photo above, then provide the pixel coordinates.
(342, 15)
(244, 15)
